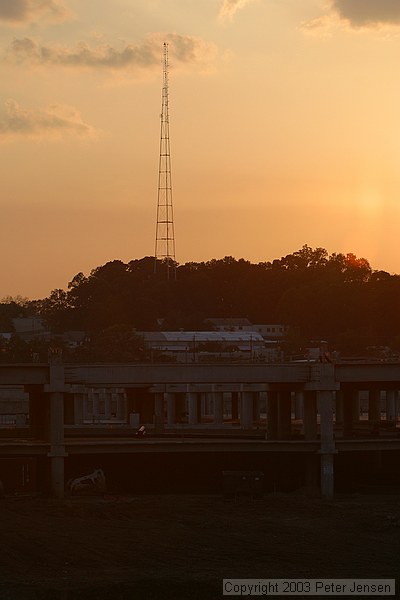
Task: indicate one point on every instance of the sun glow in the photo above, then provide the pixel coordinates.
(370, 203)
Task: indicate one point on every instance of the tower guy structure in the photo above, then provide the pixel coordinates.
(165, 237)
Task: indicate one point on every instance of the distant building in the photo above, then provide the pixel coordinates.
(197, 346)
(28, 328)
(274, 332)
(234, 324)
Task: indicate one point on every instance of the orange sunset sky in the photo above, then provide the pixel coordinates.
(284, 124)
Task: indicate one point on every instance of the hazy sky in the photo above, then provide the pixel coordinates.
(285, 130)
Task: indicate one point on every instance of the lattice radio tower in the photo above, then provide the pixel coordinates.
(165, 238)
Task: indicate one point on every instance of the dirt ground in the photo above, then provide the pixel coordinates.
(182, 546)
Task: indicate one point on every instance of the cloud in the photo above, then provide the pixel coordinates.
(53, 121)
(355, 14)
(368, 13)
(230, 7)
(183, 50)
(320, 26)
(22, 11)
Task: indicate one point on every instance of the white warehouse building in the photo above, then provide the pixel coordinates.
(200, 346)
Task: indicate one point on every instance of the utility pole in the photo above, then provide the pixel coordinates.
(165, 238)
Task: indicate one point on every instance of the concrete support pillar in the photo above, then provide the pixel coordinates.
(256, 406)
(272, 416)
(339, 408)
(363, 404)
(298, 406)
(180, 407)
(57, 447)
(158, 411)
(390, 406)
(326, 405)
(101, 404)
(121, 405)
(246, 412)
(134, 420)
(56, 429)
(79, 408)
(113, 403)
(218, 407)
(94, 399)
(235, 405)
(262, 398)
(133, 416)
(285, 415)
(327, 451)
(310, 415)
(171, 409)
(107, 404)
(145, 406)
(351, 411)
(194, 404)
(55, 395)
(207, 401)
(374, 409)
(203, 403)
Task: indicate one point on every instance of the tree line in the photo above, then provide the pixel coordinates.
(337, 297)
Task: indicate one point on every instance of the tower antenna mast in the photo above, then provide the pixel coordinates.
(165, 238)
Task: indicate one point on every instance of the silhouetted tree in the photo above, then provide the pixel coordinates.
(336, 297)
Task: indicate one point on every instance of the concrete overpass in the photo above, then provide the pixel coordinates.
(323, 398)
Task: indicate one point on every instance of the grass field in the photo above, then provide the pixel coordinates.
(182, 546)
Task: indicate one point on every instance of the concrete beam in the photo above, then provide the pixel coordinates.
(149, 374)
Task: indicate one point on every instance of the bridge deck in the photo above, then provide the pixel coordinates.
(76, 446)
